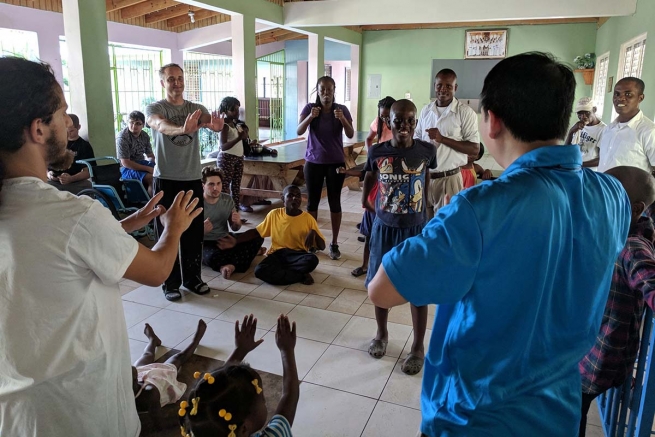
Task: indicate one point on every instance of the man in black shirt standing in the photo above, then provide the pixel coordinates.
(76, 178)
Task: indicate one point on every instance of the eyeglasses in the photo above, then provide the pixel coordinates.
(136, 123)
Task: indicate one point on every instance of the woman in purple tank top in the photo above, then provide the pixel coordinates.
(327, 121)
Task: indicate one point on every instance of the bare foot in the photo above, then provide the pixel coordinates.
(308, 280)
(227, 271)
(261, 251)
(150, 333)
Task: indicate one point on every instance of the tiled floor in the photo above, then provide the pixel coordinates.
(344, 392)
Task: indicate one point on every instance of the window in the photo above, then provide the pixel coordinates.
(19, 43)
(328, 70)
(347, 91)
(632, 57)
(600, 82)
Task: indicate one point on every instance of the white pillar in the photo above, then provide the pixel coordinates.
(316, 60)
(354, 86)
(244, 66)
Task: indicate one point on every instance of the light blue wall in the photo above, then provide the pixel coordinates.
(295, 51)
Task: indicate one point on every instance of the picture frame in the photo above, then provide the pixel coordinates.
(486, 44)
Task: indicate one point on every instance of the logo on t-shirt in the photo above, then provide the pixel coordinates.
(400, 185)
(180, 140)
(587, 142)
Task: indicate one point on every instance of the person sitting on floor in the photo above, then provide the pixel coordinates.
(295, 235)
(612, 358)
(230, 400)
(76, 177)
(132, 146)
(220, 249)
(155, 385)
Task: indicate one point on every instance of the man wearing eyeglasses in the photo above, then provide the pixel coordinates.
(132, 146)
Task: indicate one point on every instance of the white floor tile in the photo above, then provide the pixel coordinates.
(317, 324)
(266, 311)
(267, 356)
(352, 371)
(359, 332)
(137, 347)
(170, 326)
(208, 305)
(136, 312)
(218, 342)
(153, 296)
(403, 389)
(330, 413)
(389, 420)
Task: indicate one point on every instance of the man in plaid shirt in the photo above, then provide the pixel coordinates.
(612, 358)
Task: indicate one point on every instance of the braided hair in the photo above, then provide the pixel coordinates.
(229, 390)
(383, 104)
(317, 104)
(228, 103)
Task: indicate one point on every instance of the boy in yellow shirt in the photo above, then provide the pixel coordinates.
(294, 237)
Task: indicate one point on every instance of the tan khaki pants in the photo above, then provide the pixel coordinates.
(439, 188)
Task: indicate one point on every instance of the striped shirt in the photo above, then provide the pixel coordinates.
(278, 427)
(612, 358)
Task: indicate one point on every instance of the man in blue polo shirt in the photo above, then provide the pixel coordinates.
(519, 266)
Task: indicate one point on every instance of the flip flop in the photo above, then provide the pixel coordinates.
(358, 272)
(244, 220)
(412, 364)
(173, 294)
(377, 348)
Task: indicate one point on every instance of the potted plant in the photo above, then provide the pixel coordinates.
(585, 64)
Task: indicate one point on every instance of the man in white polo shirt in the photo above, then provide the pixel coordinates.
(453, 128)
(630, 138)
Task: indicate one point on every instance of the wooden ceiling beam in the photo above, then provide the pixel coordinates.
(275, 33)
(479, 23)
(146, 7)
(291, 37)
(200, 15)
(114, 5)
(165, 14)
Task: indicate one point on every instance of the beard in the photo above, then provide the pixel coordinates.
(57, 158)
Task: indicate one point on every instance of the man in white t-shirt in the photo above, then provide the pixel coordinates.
(586, 132)
(630, 139)
(453, 128)
(64, 353)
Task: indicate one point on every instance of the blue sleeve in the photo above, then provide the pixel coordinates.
(370, 162)
(440, 265)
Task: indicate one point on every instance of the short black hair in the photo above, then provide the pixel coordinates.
(162, 70)
(137, 115)
(446, 72)
(532, 93)
(641, 86)
(210, 171)
(75, 119)
(638, 183)
(403, 103)
(228, 103)
(288, 188)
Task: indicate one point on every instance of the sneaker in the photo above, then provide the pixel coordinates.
(198, 287)
(334, 251)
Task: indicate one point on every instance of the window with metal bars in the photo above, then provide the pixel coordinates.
(207, 80)
(632, 57)
(600, 82)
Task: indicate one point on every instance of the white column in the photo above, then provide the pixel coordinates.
(354, 86)
(316, 60)
(244, 66)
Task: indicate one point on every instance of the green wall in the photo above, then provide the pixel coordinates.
(404, 57)
(619, 30)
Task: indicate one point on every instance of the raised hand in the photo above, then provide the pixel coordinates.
(244, 338)
(285, 335)
(338, 114)
(181, 213)
(316, 111)
(216, 122)
(434, 134)
(192, 122)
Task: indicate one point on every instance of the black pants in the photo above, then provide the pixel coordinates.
(315, 174)
(587, 400)
(240, 256)
(286, 266)
(190, 251)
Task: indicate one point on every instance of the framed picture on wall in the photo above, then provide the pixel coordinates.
(486, 44)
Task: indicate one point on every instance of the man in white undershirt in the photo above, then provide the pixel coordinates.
(453, 128)
(630, 139)
(586, 132)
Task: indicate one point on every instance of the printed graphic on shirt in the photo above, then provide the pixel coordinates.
(587, 142)
(180, 140)
(400, 185)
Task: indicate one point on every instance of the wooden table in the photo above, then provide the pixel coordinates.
(283, 169)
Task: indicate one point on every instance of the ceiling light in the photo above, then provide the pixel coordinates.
(192, 15)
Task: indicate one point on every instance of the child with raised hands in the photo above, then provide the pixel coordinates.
(229, 402)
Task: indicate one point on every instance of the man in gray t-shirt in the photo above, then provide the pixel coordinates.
(175, 123)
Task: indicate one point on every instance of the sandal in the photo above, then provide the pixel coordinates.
(412, 364)
(377, 348)
(358, 272)
(173, 294)
(245, 208)
(198, 288)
